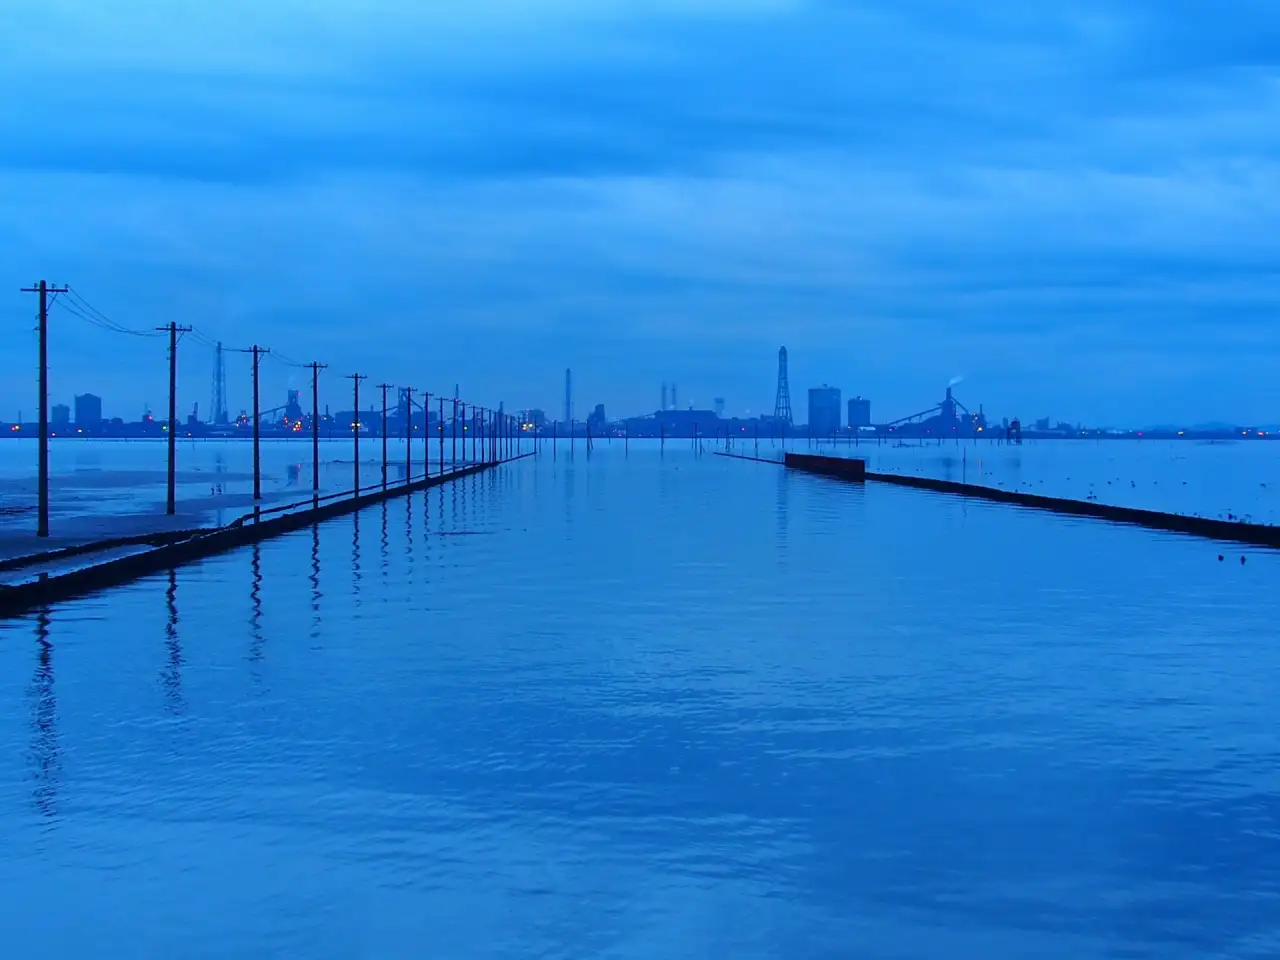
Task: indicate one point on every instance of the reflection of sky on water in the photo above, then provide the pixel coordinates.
(654, 706)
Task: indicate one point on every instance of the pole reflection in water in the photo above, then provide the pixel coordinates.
(315, 582)
(453, 507)
(384, 545)
(171, 676)
(783, 499)
(426, 525)
(255, 604)
(568, 498)
(355, 556)
(408, 534)
(46, 754)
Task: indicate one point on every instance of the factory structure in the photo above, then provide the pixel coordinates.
(829, 415)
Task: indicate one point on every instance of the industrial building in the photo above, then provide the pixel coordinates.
(824, 410)
(675, 423)
(859, 413)
(941, 420)
(597, 421)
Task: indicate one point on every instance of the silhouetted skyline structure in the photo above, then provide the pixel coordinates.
(824, 410)
(782, 399)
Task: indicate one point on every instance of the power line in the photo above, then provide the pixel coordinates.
(85, 306)
(288, 361)
(78, 307)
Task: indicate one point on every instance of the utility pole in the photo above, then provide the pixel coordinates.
(355, 379)
(426, 433)
(464, 433)
(453, 444)
(257, 352)
(43, 289)
(315, 424)
(408, 435)
(384, 387)
(171, 505)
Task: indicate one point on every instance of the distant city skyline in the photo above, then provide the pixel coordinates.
(1074, 210)
(336, 396)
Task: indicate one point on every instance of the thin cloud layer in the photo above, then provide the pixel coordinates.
(1075, 204)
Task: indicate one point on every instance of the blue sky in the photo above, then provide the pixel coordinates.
(1072, 205)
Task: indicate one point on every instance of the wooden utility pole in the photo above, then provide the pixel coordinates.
(384, 387)
(258, 353)
(43, 289)
(453, 443)
(426, 433)
(355, 379)
(408, 434)
(315, 424)
(171, 504)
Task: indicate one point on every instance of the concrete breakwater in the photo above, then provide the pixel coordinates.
(852, 469)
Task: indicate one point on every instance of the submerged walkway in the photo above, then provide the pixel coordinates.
(76, 568)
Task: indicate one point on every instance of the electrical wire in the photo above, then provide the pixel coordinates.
(75, 311)
(79, 307)
(287, 360)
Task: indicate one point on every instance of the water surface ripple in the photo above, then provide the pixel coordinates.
(643, 706)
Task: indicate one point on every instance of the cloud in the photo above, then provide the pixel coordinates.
(897, 190)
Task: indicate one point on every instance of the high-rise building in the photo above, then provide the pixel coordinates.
(60, 415)
(719, 405)
(88, 410)
(824, 411)
(859, 413)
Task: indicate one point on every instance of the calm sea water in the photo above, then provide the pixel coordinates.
(654, 707)
(1221, 479)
